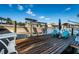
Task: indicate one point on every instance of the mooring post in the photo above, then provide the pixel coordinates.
(46, 28)
(72, 32)
(15, 30)
(15, 26)
(31, 28)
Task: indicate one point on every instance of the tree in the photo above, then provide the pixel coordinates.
(66, 24)
(9, 21)
(21, 24)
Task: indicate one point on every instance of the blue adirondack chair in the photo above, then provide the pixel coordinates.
(65, 34)
(54, 33)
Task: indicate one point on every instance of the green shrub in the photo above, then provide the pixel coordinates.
(1, 27)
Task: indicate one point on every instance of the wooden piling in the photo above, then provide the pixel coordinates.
(72, 32)
(30, 28)
(46, 28)
(15, 26)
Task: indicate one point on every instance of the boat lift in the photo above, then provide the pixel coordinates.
(75, 44)
(77, 35)
(75, 23)
(32, 21)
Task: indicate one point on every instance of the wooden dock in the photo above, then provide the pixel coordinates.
(43, 45)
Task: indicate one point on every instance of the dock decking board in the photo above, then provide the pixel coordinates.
(45, 46)
(41, 48)
(75, 44)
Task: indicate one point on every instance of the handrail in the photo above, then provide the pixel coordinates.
(7, 35)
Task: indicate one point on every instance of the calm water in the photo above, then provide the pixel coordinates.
(49, 31)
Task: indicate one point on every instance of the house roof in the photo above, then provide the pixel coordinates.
(29, 19)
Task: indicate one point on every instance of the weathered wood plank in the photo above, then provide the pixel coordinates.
(46, 46)
(75, 44)
(63, 47)
(41, 48)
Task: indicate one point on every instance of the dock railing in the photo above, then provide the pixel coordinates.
(7, 35)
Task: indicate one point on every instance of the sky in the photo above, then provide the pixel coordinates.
(49, 13)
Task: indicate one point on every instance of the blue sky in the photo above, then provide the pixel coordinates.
(49, 13)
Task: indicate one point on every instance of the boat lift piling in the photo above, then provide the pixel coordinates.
(72, 32)
(31, 25)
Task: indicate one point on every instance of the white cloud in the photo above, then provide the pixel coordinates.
(29, 11)
(47, 18)
(42, 17)
(67, 9)
(20, 7)
(10, 5)
(33, 14)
